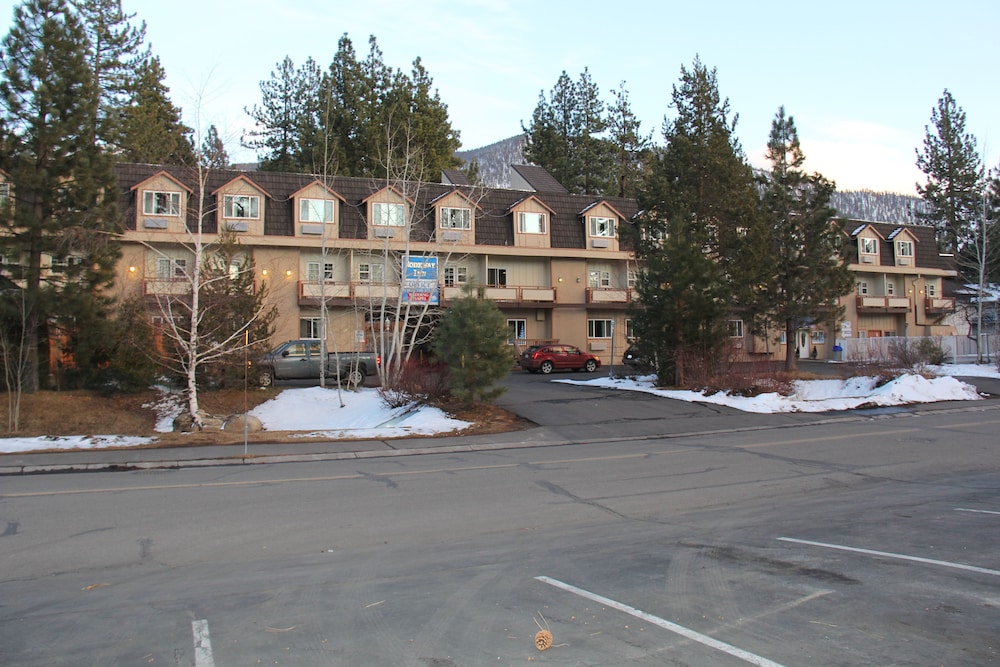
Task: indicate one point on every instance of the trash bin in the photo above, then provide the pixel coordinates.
(838, 353)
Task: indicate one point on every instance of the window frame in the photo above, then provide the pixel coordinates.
(734, 329)
(599, 279)
(517, 329)
(466, 222)
(610, 230)
(309, 204)
(310, 327)
(904, 248)
(600, 328)
(313, 270)
(382, 214)
(868, 245)
(456, 275)
(231, 202)
(522, 218)
(496, 276)
(149, 197)
(375, 273)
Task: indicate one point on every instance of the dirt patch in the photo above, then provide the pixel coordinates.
(90, 413)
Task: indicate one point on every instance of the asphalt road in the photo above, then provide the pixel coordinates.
(872, 541)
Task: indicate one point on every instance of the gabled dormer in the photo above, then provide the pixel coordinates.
(532, 220)
(455, 217)
(316, 211)
(601, 221)
(240, 206)
(869, 242)
(904, 246)
(388, 211)
(160, 204)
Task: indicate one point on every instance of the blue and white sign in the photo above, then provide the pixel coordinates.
(420, 279)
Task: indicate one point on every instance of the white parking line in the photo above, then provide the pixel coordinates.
(752, 658)
(963, 509)
(887, 554)
(202, 644)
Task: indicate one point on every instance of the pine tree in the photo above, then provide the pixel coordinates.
(810, 272)
(629, 147)
(471, 340)
(593, 151)
(697, 197)
(213, 150)
(61, 182)
(552, 132)
(151, 130)
(282, 110)
(116, 55)
(954, 171)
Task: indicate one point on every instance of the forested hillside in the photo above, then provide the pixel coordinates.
(495, 160)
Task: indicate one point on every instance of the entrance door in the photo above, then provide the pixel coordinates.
(803, 350)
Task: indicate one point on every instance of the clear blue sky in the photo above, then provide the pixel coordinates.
(860, 78)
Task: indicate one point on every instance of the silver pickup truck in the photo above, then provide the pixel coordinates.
(301, 360)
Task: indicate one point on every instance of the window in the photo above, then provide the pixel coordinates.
(161, 203)
(455, 218)
(633, 278)
(904, 248)
(316, 210)
(735, 328)
(600, 279)
(456, 275)
(819, 337)
(890, 288)
(868, 246)
(516, 330)
(313, 273)
(388, 215)
(168, 268)
(311, 327)
(496, 277)
(629, 329)
(4, 192)
(862, 288)
(241, 206)
(61, 264)
(531, 223)
(602, 227)
(371, 273)
(600, 328)
(931, 289)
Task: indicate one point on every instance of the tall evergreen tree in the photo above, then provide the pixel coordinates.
(61, 182)
(213, 150)
(593, 150)
(116, 56)
(699, 194)
(630, 148)
(151, 130)
(279, 118)
(809, 269)
(954, 171)
(552, 133)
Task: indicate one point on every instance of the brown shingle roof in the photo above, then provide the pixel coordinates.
(494, 222)
(925, 248)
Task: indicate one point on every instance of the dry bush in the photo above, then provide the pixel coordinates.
(420, 382)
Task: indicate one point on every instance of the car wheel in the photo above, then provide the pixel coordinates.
(591, 366)
(265, 379)
(355, 378)
(546, 367)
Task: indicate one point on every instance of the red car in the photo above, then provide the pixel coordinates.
(547, 358)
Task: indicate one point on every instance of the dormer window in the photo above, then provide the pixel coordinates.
(531, 223)
(316, 210)
(388, 215)
(904, 249)
(161, 203)
(602, 227)
(245, 207)
(868, 246)
(455, 218)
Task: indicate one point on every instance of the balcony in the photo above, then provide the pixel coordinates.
(883, 304)
(158, 288)
(609, 295)
(939, 305)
